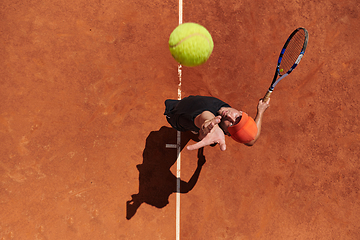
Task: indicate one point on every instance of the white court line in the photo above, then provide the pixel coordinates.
(171, 145)
(178, 141)
(178, 167)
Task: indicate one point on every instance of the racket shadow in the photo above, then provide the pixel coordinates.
(156, 181)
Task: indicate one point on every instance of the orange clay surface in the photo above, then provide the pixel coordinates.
(82, 91)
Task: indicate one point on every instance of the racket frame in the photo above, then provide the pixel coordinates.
(276, 80)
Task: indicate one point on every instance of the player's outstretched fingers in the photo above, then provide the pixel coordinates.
(196, 146)
(222, 145)
(203, 143)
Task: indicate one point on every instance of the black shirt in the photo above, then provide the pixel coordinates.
(181, 113)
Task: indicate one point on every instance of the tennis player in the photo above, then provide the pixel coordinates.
(212, 119)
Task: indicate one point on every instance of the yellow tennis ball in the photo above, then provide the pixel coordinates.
(191, 44)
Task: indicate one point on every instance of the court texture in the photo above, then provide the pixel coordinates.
(86, 152)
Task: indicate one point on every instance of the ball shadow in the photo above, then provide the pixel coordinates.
(156, 181)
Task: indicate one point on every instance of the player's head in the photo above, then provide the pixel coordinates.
(244, 130)
(229, 117)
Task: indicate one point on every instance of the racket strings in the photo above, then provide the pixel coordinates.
(292, 51)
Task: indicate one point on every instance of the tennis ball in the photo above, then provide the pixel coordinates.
(191, 44)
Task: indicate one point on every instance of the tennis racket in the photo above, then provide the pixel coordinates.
(289, 58)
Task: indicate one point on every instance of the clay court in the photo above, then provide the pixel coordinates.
(83, 136)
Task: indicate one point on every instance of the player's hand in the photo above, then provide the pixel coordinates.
(215, 135)
(262, 106)
(207, 126)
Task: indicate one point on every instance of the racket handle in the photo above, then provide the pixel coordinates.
(267, 95)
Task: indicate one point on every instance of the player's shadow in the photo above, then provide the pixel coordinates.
(156, 181)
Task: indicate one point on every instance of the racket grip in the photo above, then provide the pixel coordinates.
(267, 95)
